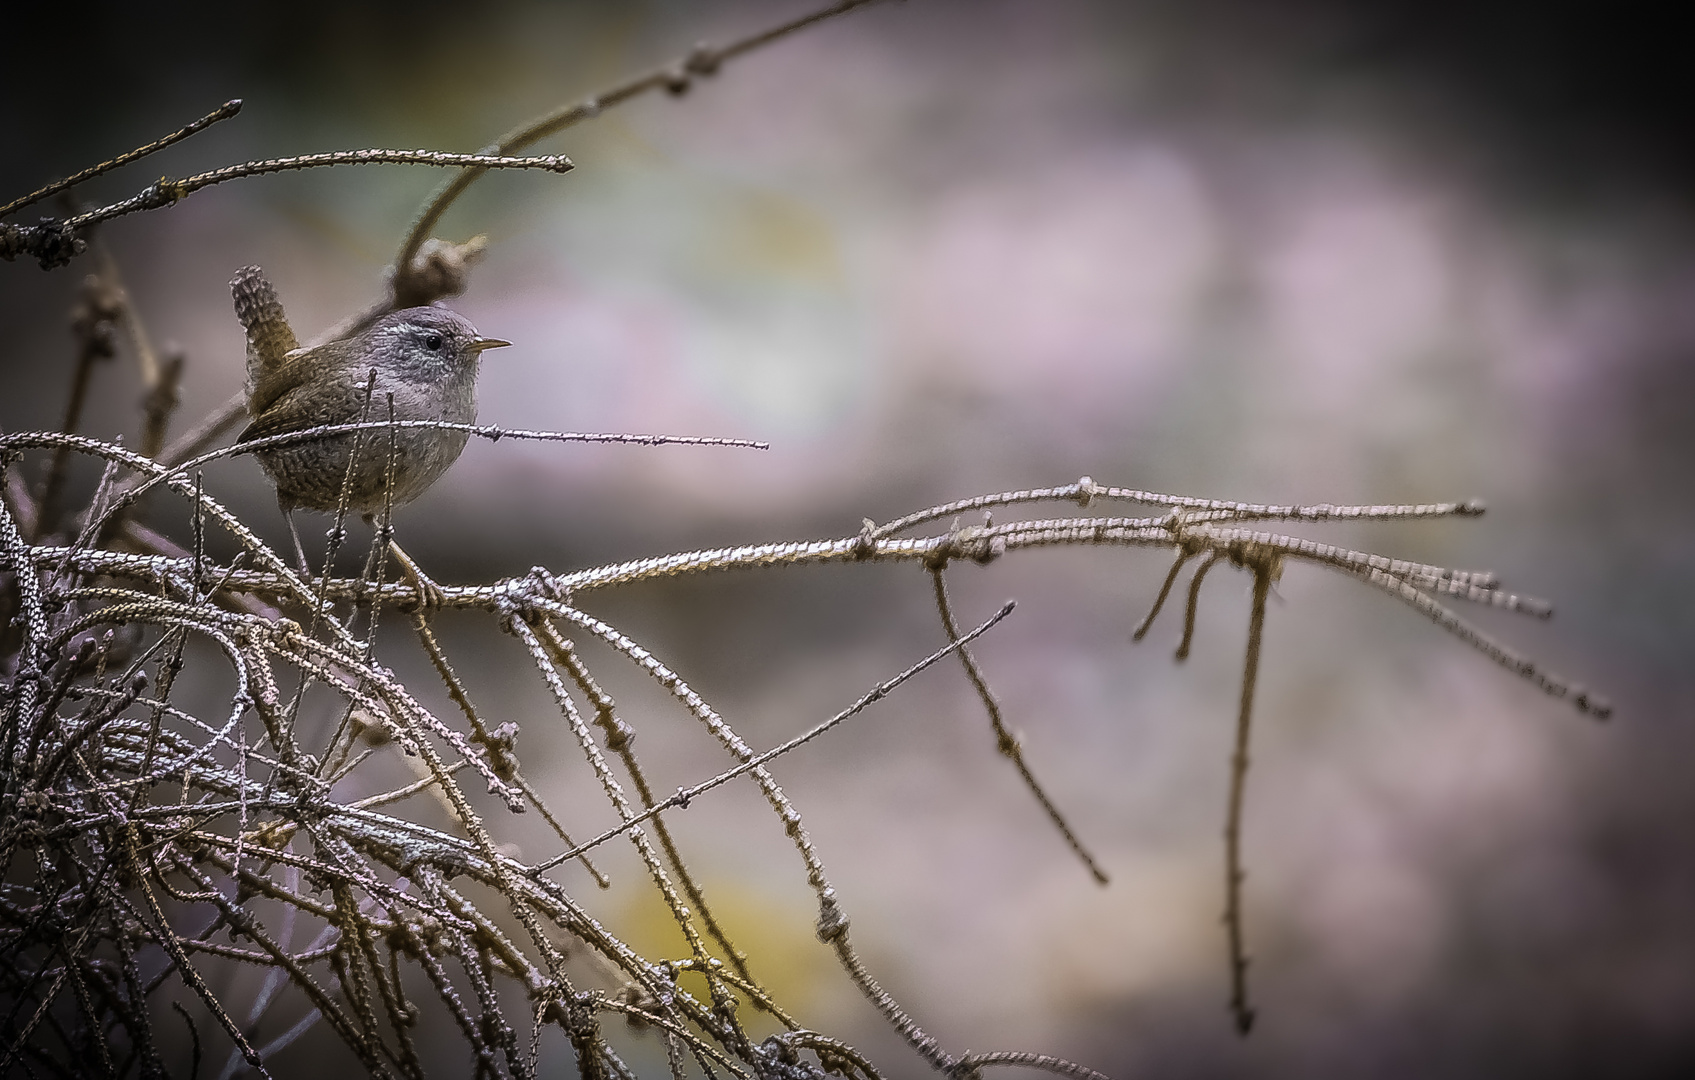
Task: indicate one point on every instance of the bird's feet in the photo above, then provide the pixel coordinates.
(429, 598)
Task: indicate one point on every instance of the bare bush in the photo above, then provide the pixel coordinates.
(167, 816)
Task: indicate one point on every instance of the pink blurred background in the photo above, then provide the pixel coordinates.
(1302, 252)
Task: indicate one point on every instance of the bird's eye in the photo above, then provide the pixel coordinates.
(433, 342)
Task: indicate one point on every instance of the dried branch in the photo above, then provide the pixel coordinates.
(141, 836)
(686, 795)
(674, 78)
(98, 309)
(1005, 742)
(56, 243)
(222, 112)
(1233, 873)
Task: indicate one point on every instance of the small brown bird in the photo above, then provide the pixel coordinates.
(424, 359)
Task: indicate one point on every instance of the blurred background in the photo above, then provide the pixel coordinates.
(1310, 251)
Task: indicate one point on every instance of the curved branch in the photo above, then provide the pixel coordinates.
(56, 243)
(222, 112)
(674, 77)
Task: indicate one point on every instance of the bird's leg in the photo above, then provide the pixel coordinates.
(294, 534)
(430, 598)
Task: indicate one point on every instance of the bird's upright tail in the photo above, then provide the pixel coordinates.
(269, 337)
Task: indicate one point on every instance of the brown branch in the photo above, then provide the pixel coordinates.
(686, 795)
(1233, 874)
(1005, 741)
(1141, 631)
(222, 112)
(1189, 611)
(92, 320)
(674, 77)
(56, 243)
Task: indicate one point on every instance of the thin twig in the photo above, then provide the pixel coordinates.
(222, 112)
(167, 191)
(1005, 741)
(1057, 1066)
(55, 243)
(674, 77)
(97, 309)
(684, 796)
(481, 734)
(1240, 1009)
(1141, 631)
(1190, 609)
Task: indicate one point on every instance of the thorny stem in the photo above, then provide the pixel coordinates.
(481, 734)
(969, 1064)
(184, 968)
(614, 793)
(620, 739)
(832, 921)
(173, 467)
(1402, 579)
(684, 796)
(351, 839)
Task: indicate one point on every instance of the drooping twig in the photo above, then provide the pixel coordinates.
(350, 837)
(1240, 1009)
(1005, 741)
(1190, 609)
(185, 969)
(1525, 668)
(620, 739)
(1147, 622)
(686, 795)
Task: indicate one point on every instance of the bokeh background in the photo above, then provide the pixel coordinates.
(1305, 251)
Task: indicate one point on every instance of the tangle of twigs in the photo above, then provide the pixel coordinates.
(193, 748)
(122, 797)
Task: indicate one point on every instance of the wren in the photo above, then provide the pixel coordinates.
(423, 359)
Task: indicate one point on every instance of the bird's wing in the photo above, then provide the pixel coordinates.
(269, 380)
(289, 408)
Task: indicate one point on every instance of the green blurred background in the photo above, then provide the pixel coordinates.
(1306, 251)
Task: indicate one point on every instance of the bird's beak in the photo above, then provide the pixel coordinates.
(477, 345)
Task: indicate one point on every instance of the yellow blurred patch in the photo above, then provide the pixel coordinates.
(789, 962)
